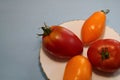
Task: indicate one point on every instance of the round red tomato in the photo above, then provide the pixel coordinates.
(61, 42)
(104, 55)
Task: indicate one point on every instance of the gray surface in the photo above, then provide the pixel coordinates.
(19, 23)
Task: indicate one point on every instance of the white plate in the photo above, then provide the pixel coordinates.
(55, 69)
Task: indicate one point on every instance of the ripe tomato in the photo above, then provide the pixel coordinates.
(104, 55)
(78, 68)
(61, 42)
(93, 27)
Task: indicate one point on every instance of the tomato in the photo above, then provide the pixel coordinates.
(104, 55)
(78, 68)
(61, 42)
(93, 27)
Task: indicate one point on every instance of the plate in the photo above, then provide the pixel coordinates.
(54, 69)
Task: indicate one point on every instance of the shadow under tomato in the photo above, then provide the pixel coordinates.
(106, 74)
(51, 57)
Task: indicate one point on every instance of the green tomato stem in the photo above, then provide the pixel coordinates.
(105, 11)
(104, 53)
(46, 30)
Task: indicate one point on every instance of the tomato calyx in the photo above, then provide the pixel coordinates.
(46, 30)
(105, 11)
(104, 53)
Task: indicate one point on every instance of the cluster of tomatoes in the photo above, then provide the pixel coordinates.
(102, 54)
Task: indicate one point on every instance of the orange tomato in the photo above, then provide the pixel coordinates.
(78, 68)
(93, 27)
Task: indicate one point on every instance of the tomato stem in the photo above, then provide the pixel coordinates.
(104, 53)
(46, 30)
(105, 11)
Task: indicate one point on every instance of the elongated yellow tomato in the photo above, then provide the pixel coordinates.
(78, 68)
(93, 27)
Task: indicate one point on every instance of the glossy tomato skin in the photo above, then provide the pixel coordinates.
(110, 62)
(78, 68)
(93, 27)
(62, 43)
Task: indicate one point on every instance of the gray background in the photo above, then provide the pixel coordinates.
(20, 20)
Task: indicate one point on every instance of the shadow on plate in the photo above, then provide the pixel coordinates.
(106, 74)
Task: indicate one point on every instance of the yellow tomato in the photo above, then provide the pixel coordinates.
(93, 27)
(78, 68)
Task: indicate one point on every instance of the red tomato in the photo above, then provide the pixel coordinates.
(93, 27)
(104, 55)
(61, 42)
(78, 68)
